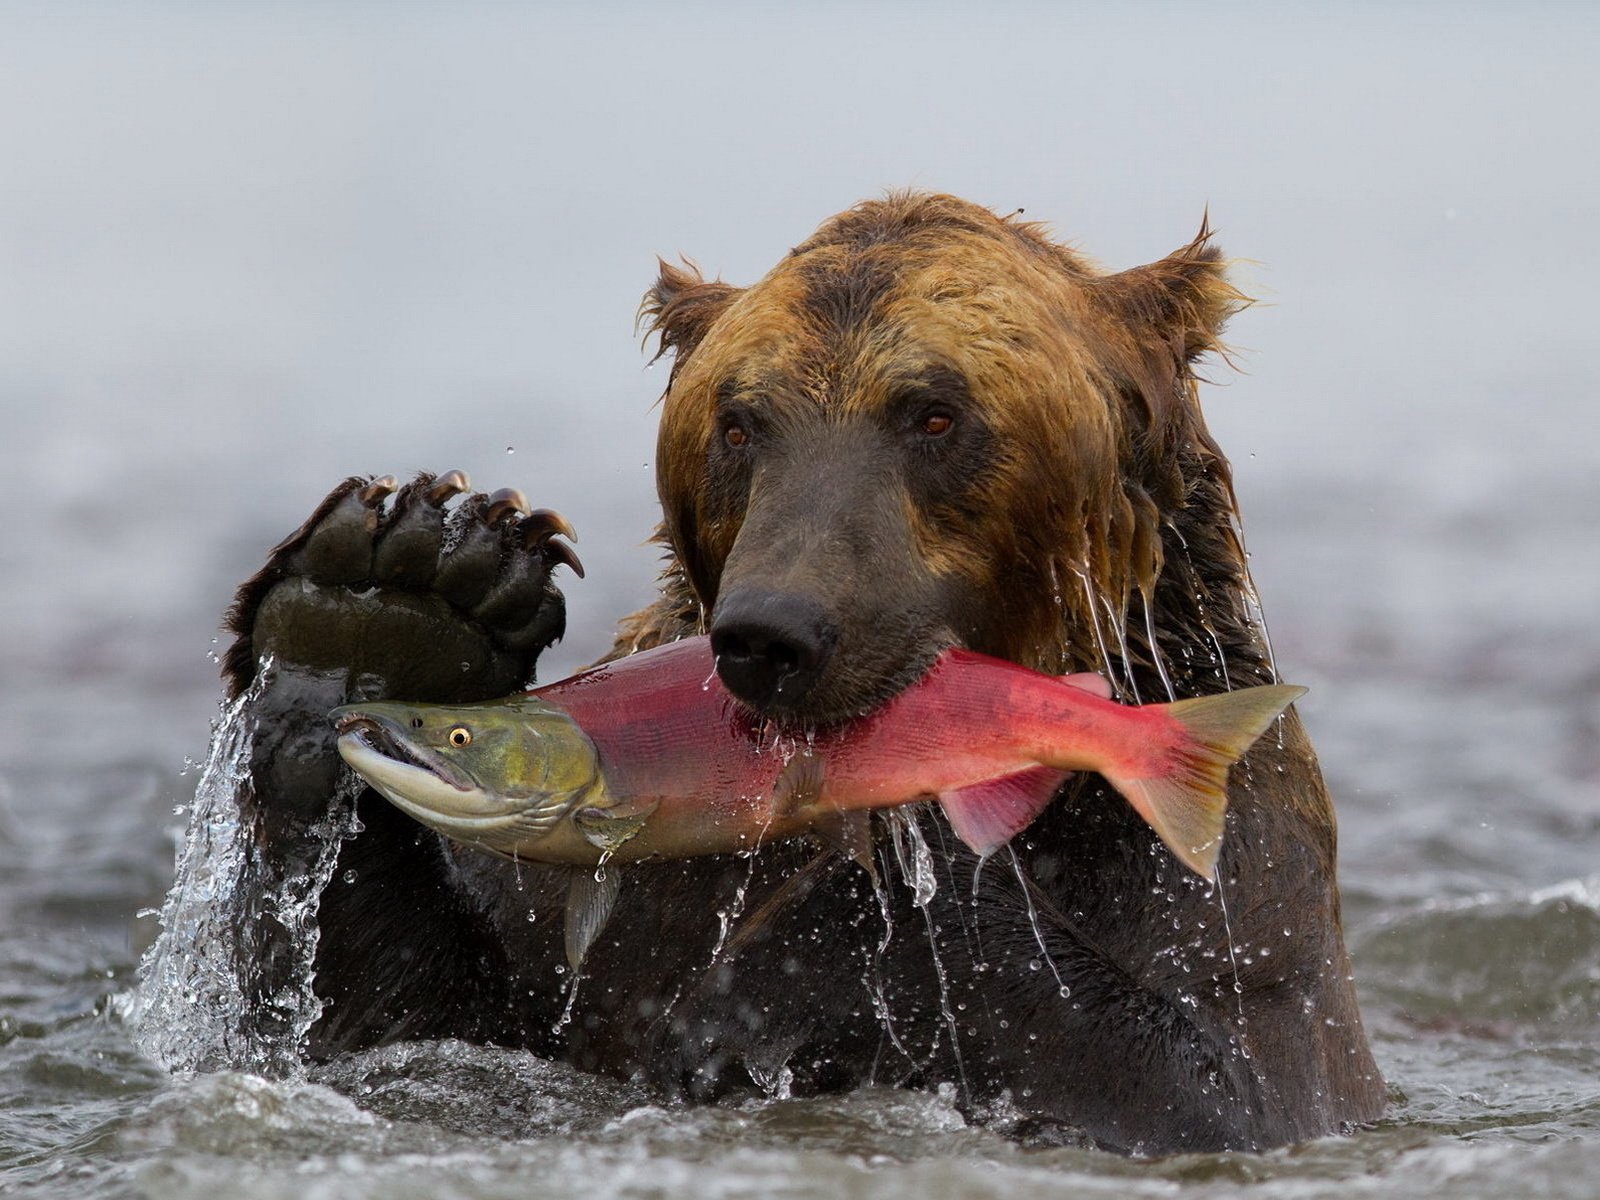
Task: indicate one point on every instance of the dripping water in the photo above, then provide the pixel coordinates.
(1033, 921)
(874, 980)
(912, 853)
(1155, 646)
(1094, 626)
(916, 866)
(1119, 626)
(571, 1002)
(945, 1007)
(1254, 612)
(1233, 958)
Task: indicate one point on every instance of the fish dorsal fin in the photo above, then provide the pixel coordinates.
(849, 834)
(590, 898)
(987, 815)
(799, 784)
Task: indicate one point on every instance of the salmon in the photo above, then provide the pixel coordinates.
(649, 757)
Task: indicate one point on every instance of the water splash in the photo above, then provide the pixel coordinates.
(776, 1081)
(200, 1003)
(728, 916)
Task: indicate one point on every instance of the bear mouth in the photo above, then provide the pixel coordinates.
(844, 694)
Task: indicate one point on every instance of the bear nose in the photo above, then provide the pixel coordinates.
(770, 647)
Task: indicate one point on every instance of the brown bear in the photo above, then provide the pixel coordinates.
(928, 425)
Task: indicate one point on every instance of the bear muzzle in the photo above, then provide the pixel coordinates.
(771, 647)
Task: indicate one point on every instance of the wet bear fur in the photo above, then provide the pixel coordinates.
(926, 425)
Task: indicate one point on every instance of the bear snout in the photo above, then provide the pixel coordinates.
(771, 647)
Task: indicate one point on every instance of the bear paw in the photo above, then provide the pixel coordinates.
(423, 592)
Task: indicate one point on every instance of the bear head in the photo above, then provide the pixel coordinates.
(928, 425)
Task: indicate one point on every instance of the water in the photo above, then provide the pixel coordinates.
(429, 248)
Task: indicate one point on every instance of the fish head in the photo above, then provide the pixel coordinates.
(498, 775)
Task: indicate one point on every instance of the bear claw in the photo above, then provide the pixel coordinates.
(447, 487)
(542, 524)
(374, 493)
(563, 553)
(504, 503)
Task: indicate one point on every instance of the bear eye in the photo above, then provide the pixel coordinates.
(460, 736)
(735, 436)
(937, 424)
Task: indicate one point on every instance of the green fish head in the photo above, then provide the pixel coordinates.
(496, 775)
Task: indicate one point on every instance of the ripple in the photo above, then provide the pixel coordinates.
(1518, 965)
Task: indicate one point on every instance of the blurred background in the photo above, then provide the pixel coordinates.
(246, 250)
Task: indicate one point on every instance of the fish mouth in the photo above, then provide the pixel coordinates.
(365, 732)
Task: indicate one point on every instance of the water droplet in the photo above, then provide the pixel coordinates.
(349, 876)
(511, 449)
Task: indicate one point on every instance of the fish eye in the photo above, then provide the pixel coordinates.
(460, 736)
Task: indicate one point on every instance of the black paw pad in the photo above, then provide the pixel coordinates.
(387, 579)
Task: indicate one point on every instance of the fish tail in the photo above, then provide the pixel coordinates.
(1186, 802)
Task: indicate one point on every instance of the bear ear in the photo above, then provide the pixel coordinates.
(1184, 299)
(681, 307)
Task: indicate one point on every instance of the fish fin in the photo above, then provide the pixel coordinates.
(1088, 681)
(590, 898)
(799, 784)
(607, 828)
(849, 834)
(1187, 804)
(987, 815)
